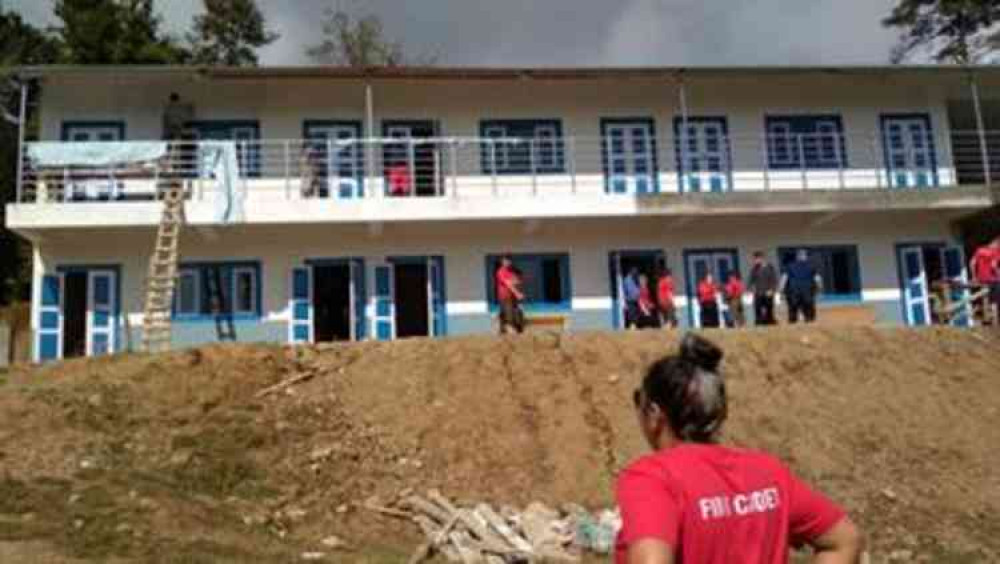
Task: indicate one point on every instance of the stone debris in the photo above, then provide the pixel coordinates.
(480, 533)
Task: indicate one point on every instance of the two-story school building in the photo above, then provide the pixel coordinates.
(340, 204)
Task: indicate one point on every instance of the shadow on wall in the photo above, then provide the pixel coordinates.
(15, 331)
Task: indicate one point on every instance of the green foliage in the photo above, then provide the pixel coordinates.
(229, 33)
(958, 31)
(360, 42)
(114, 32)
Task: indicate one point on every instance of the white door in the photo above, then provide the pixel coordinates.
(629, 158)
(339, 151)
(909, 152)
(384, 303)
(704, 156)
(719, 264)
(101, 318)
(915, 292)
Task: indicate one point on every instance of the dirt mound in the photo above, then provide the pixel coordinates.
(174, 458)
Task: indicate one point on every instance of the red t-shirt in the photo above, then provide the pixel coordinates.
(645, 299)
(665, 291)
(505, 278)
(718, 505)
(985, 263)
(707, 291)
(734, 288)
(399, 180)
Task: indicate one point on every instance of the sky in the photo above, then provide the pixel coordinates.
(579, 32)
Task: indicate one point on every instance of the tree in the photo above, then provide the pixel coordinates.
(360, 42)
(229, 33)
(959, 31)
(113, 32)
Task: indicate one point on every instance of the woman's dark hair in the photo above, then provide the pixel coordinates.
(689, 389)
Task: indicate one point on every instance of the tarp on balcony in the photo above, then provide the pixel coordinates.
(95, 154)
(219, 160)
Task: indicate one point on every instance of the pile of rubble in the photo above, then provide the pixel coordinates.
(478, 533)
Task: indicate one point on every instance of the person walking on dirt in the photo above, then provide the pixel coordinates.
(630, 288)
(734, 300)
(985, 268)
(800, 284)
(708, 302)
(665, 299)
(510, 296)
(694, 501)
(763, 285)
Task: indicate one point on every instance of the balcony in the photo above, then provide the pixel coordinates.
(625, 173)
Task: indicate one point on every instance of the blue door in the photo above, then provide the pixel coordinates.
(436, 294)
(955, 271)
(337, 156)
(101, 312)
(630, 157)
(358, 299)
(909, 151)
(48, 344)
(384, 303)
(916, 301)
(702, 148)
(301, 326)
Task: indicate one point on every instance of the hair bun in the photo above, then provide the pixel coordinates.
(701, 352)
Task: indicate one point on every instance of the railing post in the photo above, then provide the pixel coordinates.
(572, 164)
(493, 165)
(21, 149)
(534, 170)
(880, 168)
(288, 169)
(766, 153)
(802, 162)
(840, 160)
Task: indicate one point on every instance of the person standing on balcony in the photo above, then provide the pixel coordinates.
(985, 267)
(665, 299)
(630, 287)
(800, 284)
(708, 302)
(734, 299)
(510, 296)
(763, 285)
(177, 116)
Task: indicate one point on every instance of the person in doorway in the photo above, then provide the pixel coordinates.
(985, 268)
(665, 299)
(630, 289)
(695, 501)
(708, 302)
(800, 284)
(734, 299)
(648, 316)
(763, 285)
(510, 296)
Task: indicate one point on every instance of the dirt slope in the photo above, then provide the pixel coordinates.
(172, 459)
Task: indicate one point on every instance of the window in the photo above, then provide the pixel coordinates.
(838, 266)
(87, 131)
(810, 141)
(229, 288)
(545, 280)
(522, 146)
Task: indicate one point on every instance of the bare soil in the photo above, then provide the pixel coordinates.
(172, 458)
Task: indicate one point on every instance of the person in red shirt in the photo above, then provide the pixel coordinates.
(708, 301)
(509, 295)
(665, 299)
(400, 181)
(734, 299)
(647, 306)
(697, 502)
(985, 267)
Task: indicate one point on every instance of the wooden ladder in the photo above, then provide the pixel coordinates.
(162, 275)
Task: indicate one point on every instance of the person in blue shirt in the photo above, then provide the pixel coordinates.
(800, 284)
(630, 289)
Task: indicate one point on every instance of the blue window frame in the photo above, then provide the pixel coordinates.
(629, 155)
(908, 146)
(522, 146)
(545, 280)
(703, 154)
(245, 133)
(85, 131)
(837, 265)
(239, 292)
(812, 141)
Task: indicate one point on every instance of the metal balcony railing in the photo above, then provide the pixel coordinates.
(630, 162)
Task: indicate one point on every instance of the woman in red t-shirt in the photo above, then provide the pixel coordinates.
(665, 298)
(708, 301)
(697, 502)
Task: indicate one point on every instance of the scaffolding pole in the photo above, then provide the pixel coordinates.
(370, 134)
(983, 147)
(682, 95)
(22, 120)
